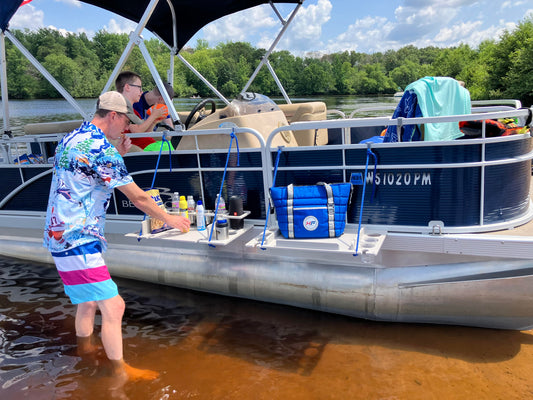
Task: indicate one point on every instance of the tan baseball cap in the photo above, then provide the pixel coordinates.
(112, 101)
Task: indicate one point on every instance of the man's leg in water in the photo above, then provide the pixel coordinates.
(85, 325)
(112, 311)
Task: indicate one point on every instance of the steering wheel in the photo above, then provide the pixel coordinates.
(200, 109)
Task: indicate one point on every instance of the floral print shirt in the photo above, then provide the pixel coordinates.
(87, 167)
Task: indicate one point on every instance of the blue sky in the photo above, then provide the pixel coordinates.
(321, 26)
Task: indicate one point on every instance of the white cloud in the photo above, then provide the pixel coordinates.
(364, 32)
(423, 23)
(239, 26)
(413, 23)
(62, 31)
(27, 17)
(74, 3)
(119, 26)
(510, 4)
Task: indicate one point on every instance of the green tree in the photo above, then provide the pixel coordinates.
(519, 79)
(108, 48)
(404, 74)
(64, 70)
(204, 63)
(23, 79)
(316, 78)
(503, 55)
(452, 61)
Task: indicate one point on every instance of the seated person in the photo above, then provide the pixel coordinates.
(152, 98)
(130, 86)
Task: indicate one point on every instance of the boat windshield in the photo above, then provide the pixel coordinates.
(252, 103)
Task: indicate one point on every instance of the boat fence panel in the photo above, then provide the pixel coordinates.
(467, 184)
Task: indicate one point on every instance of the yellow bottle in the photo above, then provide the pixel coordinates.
(183, 207)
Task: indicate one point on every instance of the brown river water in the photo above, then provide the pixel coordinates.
(212, 347)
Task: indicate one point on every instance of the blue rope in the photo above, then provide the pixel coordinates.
(233, 136)
(273, 185)
(163, 140)
(368, 154)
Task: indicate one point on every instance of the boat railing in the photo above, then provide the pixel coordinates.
(483, 162)
(513, 104)
(198, 151)
(311, 161)
(367, 110)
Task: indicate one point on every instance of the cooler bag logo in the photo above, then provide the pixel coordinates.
(310, 223)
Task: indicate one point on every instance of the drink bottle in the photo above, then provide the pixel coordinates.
(221, 210)
(183, 207)
(190, 208)
(200, 216)
(175, 202)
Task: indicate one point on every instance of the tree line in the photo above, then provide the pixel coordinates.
(499, 68)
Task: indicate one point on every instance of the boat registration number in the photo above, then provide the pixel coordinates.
(399, 178)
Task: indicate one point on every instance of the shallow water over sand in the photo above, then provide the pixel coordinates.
(212, 347)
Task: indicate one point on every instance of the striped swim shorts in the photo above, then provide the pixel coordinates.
(84, 273)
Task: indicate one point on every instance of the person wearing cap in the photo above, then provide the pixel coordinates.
(129, 84)
(153, 98)
(87, 168)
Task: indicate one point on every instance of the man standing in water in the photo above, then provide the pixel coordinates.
(87, 168)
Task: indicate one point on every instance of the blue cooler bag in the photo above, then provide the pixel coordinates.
(311, 211)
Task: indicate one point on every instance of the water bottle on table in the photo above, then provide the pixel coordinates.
(190, 208)
(200, 216)
(221, 207)
(175, 202)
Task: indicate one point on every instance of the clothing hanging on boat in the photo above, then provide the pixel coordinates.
(431, 97)
(406, 108)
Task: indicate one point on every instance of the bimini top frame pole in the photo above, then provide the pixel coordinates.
(3, 83)
(46, 74)
(264, 60)
(137, 39)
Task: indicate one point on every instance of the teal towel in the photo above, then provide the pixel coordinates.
(440, 96)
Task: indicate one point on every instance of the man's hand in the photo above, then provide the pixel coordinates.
(124, 144)
(178, 222)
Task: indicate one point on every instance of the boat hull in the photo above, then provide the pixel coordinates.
(473, 291)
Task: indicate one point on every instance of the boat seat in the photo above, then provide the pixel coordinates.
(264, 123)
(310, 111)
(46, 128)
(47, 148)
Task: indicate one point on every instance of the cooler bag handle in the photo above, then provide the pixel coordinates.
(330, 208)
(290, 209)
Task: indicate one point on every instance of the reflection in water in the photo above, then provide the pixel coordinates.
(213, 347)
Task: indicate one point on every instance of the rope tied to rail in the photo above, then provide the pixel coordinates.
(369, 153)
(163, 141)
(233, 136)
(280, 148)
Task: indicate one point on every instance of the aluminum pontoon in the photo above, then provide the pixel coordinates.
(437, 232)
